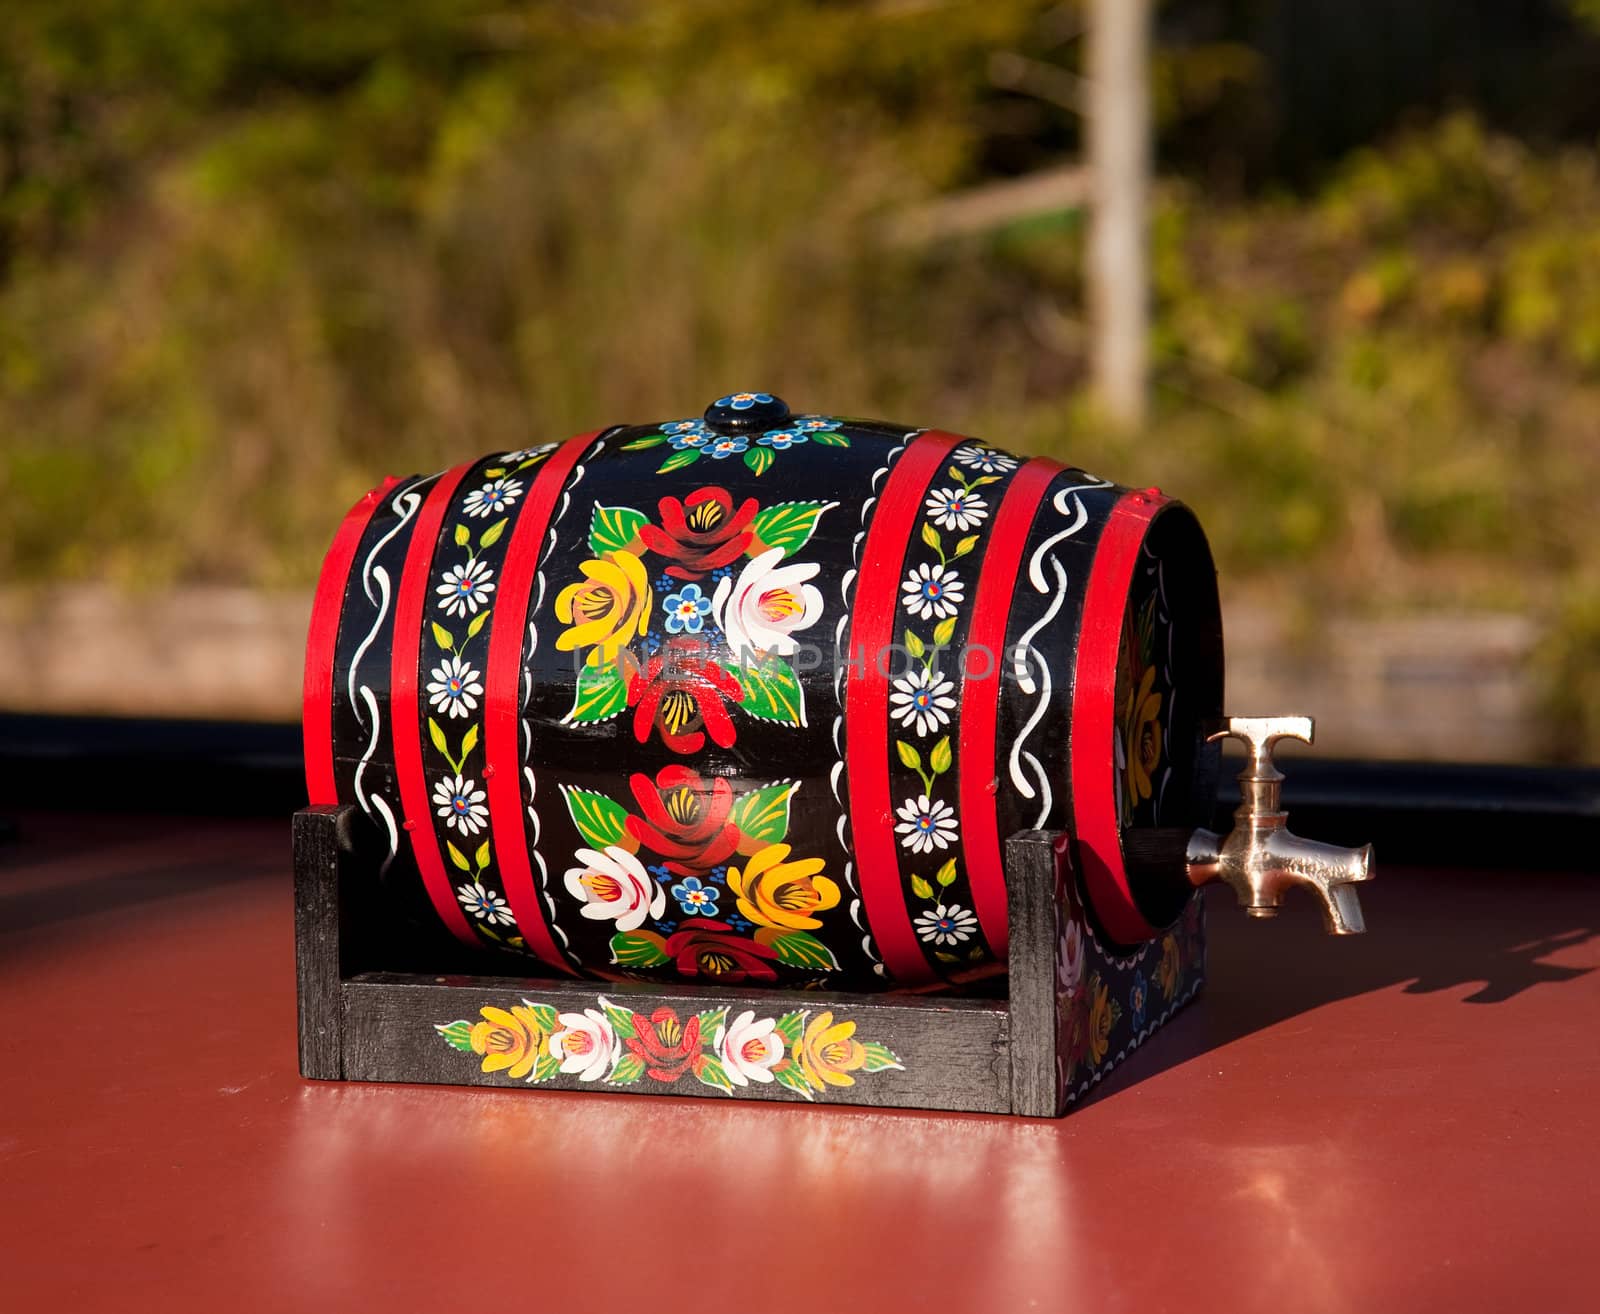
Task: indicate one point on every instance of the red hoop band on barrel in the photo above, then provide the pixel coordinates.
(980, 698)
(866, 704)
(405, 717)
(322, 640)
(1094, 713)
(502, 700)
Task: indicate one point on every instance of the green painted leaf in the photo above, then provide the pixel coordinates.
(481, 857)
(491, 535)
(545, 1067)
(463, 536)
(921, 888)
(943, 957)
(793, 1077)
(544, 1014)
(458, 857)
(601, 693)
(909, 757)
(645, 443)
(711, 1073)
(710, 1020)
(478, 622)
(939, 759)
(763, 814)
(965, 545)
(621, 1019)
(880, 1057)
(930, 536)
(771, 691)
(804, 950)
(790, 1025)
(946, 875)
(828, 438)
(443, 637)
(469, 741)
(759, 459)
(437, 735)
(600, 819)
(458, 1035)
(788, 525)
(612, 528)
(688, 456)
(638, 949)
(914, 645)
(630, 1067)
(495, 472)
(943, 632)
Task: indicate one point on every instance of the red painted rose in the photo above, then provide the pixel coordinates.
(701, 532)
(681, 692)
(685, 819)
(715, 950)
(665, 1043)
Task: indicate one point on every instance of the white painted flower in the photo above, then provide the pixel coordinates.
(527, 453)
(932, 592)
(465, 588)
(454, 688)
(485, 905)
(985, 459)
(748, 1049)
(1069, 959)
(762, 610)
(955, 508)
(922, 700)
(495, 496)
(926, 824)
(615, 887)
(460, 802)
(949, 923)
(585, 1045)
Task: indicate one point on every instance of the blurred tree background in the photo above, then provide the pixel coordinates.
(254, 255)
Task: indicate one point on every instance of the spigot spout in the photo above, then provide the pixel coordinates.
(1261, 858)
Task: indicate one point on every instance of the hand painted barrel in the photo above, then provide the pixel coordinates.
(759, 696)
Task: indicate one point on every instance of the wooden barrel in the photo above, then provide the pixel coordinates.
(759, 696)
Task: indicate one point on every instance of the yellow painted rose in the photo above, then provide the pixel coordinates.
(1144, 738)
(1103, 1015)
(509, 1042)
(828, 1052)
(609, 607)
(1168, 969)
(783, 895)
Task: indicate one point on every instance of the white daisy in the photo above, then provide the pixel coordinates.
(465, 588)
(922, 700)
(454, 688)
(985, 459)
(926, 825)
(460, 802)
(495, 496)
(955, 508)
(485, 905)
(932, 592)
(949, 923)
(527, 453)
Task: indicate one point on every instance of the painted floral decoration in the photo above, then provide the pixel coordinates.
(692, 439)
(803, 1050)
(1139, 740)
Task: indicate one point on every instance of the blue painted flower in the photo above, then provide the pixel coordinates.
(692, 438)
(694, 897)
(738, 923)
(659, 871)
(686, 610)
(1136, 1001)
(664, 583)
(781, 439)
(722, 572)
(666, 927)
(727, 445)
(813, 422)
(743, 401)
(679, 427)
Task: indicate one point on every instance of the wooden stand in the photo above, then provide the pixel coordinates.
(1073, 1009)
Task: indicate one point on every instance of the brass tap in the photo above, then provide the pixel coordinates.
(1260, 858)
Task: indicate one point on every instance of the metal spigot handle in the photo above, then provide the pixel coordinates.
(1260, 858)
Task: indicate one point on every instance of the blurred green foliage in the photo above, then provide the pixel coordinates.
(253, 256)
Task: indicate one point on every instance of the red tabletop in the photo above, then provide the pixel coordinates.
(1406, 1121)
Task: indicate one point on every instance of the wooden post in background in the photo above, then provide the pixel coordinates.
(1119, 163)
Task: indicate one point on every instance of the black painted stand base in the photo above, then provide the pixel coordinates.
(1074, 1008)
